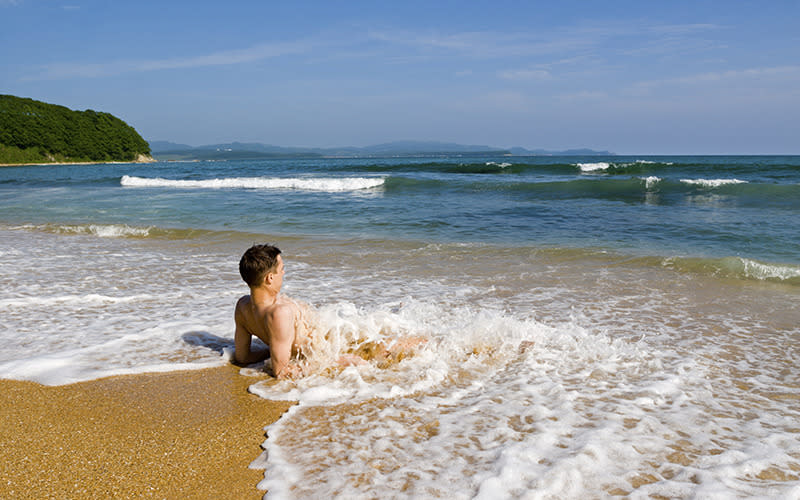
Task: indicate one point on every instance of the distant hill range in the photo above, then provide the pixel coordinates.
(163, 150)
(37, 132)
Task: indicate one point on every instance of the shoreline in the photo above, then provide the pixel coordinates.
(182, 434)
(77, 163)
(139, 159)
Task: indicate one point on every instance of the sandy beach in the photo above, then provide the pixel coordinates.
(187, 434)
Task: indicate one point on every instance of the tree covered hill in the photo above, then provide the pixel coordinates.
(37, 132)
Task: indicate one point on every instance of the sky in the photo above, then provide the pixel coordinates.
(631, 77)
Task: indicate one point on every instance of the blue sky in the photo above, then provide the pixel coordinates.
(694, 77)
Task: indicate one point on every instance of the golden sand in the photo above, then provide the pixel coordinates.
(188, 434)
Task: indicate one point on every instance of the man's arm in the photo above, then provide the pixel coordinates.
(280, 323)
(242, 339)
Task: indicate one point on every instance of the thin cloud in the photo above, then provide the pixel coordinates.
(481, 44)
(569, 42)
(683, 29)
(744, 74)
(60, 71)
(584, 95)
(525, 74)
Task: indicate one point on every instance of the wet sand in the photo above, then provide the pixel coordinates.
(188, 434)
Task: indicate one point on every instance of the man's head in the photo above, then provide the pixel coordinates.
(257, 262)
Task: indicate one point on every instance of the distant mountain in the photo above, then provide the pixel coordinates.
(420, 147)
(157, 146)
(252, 150)
(568, 152)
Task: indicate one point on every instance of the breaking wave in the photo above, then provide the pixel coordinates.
(299, 183)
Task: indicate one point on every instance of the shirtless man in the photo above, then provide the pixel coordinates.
(274, 318)
(283, 323)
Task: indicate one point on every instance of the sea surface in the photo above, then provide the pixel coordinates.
(590, 326)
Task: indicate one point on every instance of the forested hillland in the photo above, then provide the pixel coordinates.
(36, 132)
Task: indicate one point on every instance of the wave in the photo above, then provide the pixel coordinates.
(712, 183)
(779, 169)
(100, 230)
(650, 189)
(593, 167)
(651, 181)
(741, 268)
(488, 167)
(737, 268)
(133, 232)
(731, 267)
(81, 300)
(125, 231)
(500, 165)
(632, 167)
(298, 183)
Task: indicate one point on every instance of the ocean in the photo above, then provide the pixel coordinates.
(594, 326)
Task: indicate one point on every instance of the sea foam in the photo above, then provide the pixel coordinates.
(516, 406)
(650, 181)
(540, 373)
(304, 184)
(593, 167)
(712, 183)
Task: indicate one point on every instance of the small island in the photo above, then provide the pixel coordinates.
(35, 132)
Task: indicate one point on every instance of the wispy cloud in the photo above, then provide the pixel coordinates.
(480, 44)
(683, 29)
(562, 43)
(759, 74)
(525, 74)
(584, 95)
(60, 71)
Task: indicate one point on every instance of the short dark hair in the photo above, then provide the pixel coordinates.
(257, 262)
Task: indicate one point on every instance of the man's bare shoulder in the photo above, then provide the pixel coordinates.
(281, 311)
(242, 305)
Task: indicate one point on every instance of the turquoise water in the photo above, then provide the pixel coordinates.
(696, 207)
(594, 326)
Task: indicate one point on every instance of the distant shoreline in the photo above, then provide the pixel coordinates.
(148, 159)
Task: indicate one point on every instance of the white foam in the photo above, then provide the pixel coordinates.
(305, 184)
(712, 183)
(650, 181)
(501, 165)
(115, 230)
(78, 308)
(87, 300)
(539, 377)
(593, 167)
(101, 230)
(759, 270)
(576, 411)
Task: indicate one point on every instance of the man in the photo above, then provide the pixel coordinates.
(273, 318)
(284, 326)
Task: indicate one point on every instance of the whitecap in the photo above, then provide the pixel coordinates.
(758, 270)
(592, 167)
(650, 181)
(328, 184)
(107, 230)
(712, 183)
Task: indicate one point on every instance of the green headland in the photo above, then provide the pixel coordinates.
(37, 132)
